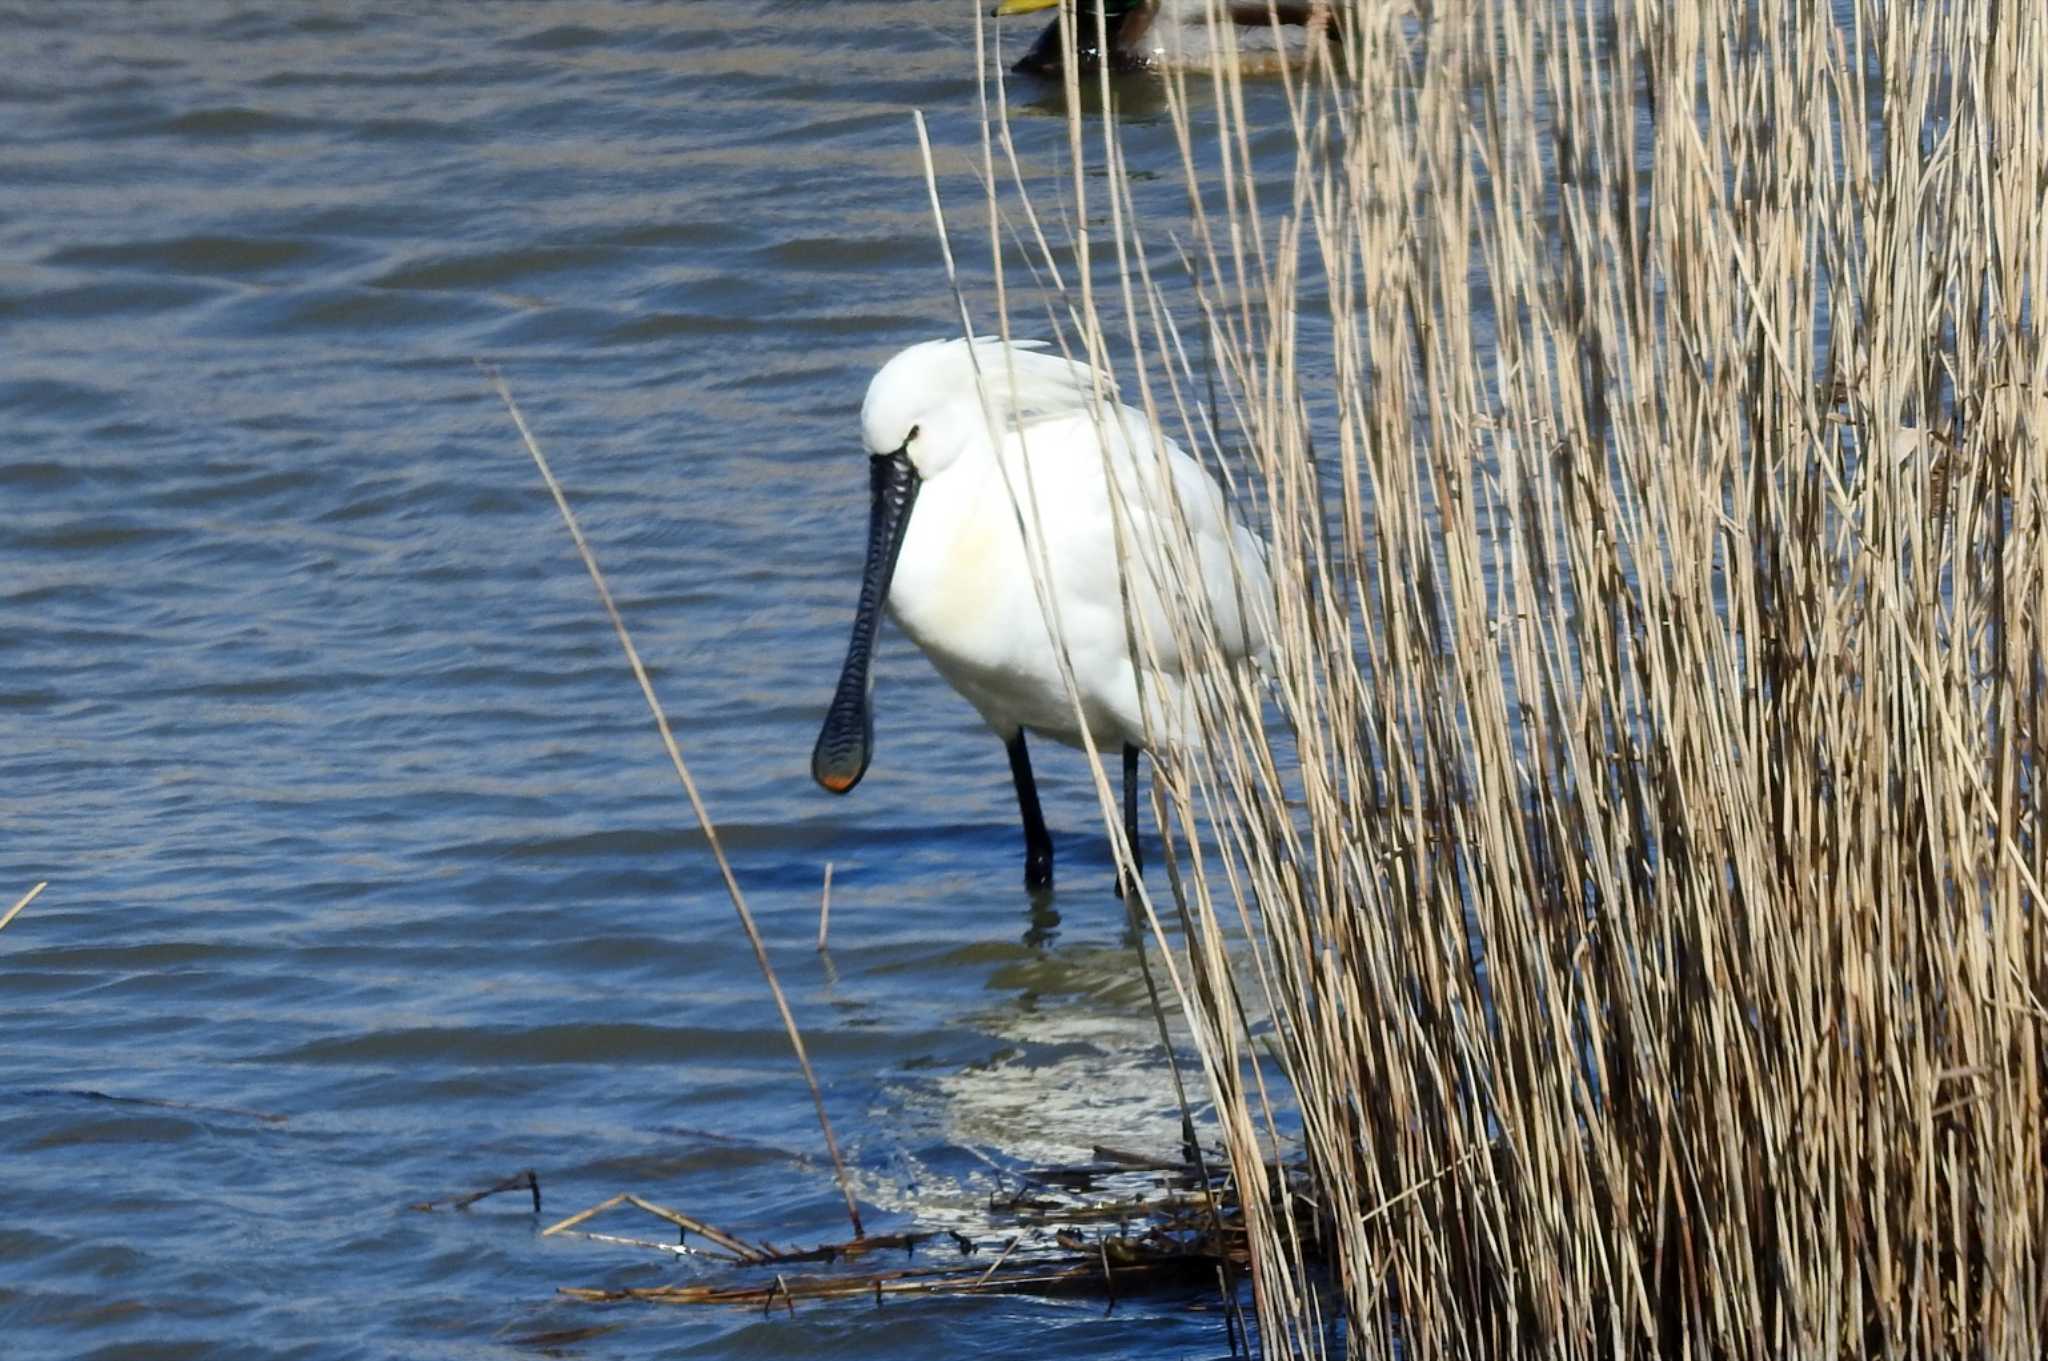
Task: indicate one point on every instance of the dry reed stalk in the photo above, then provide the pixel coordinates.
(675, 755)
(22, 902)
(1028, 507)
(825, 907)
(1643, 875)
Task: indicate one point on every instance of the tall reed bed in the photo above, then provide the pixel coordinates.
(1633, 852)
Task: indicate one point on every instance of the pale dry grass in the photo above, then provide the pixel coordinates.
(689, 784)
(20, 903)
(1636, 846)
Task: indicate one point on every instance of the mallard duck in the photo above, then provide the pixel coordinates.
(1151, 35)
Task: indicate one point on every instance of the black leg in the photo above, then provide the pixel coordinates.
(1037, 841)
(1130, 813)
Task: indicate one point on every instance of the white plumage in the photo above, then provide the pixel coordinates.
(963, 585)
(991, 447)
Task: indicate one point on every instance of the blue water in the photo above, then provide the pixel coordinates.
(369, 882)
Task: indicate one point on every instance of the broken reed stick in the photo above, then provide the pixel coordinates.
(731, 1247)
(525, 1180)
(746, 1251)
(825, 906)
(675, 755)
(25, 900)
(620, 1240)
(564, 1225)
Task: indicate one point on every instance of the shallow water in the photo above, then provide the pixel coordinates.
(363, 852)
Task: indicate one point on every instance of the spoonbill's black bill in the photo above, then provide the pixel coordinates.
(847, 742)
(982, 457)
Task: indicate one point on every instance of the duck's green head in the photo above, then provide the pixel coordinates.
(1112, 10)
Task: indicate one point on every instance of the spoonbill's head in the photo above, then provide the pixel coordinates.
(922, 407)
(911, 433)
(924, 412)
(936, 401)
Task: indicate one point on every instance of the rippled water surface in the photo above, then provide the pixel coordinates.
(369, 881)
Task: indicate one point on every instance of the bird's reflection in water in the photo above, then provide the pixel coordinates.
(1141, 98)
(1042, 926)
(1042, 923)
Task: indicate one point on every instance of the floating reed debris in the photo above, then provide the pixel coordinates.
(526, 1180)
(1122, 1226)
(1135, 1269)
(733, 1248)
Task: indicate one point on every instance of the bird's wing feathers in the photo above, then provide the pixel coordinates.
(1067, 464)
(1025, 385)
(1048, 403)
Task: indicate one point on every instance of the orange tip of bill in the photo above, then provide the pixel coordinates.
(1009, 7)
(838, 784)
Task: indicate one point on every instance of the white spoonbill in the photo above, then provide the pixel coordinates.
(948, 553)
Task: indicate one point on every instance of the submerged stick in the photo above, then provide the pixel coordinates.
(92, 1094)
(675, 755)
(825, 906)
(30, 897)
(522, 1181)
(519, 1181)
